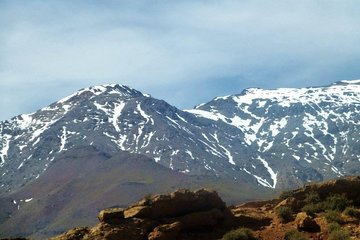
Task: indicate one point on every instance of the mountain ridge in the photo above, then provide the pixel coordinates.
(246, 137)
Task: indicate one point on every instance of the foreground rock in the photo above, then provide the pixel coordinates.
(176, 204)
(306, 223)
(111, 215)
(182, 214)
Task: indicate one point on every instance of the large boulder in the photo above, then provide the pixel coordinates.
(306, 223)
(161, 217)
(111, 215)
(176, 204)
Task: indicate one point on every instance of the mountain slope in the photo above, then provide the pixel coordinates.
(275, 138)
(299, 135)
(84, 180)
(114, 118)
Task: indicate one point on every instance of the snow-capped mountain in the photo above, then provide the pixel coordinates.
(276, 138)
(113, 118)
(299, 135)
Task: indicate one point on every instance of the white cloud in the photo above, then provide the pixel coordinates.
(154, 46)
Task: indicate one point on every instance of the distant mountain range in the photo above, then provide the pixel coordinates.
(109, 145)
(278, 138)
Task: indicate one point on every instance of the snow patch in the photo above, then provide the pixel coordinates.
(117, 112)
(174, 152)
(144, 115)
(273, 175)
(277, 125)
(204, 114)
(4, 148)
(351, 81)
(190, 154)
(25, 122)
(63, 139)
(181, 118)
(228, 154)
(20, 166)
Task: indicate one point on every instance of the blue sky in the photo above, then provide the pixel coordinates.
(185, 52)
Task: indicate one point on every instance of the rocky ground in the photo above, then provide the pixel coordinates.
(319, 211)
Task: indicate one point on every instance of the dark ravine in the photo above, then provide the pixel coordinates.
(277, 138)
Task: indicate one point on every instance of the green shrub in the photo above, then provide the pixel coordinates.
(339, 234)
(285, 214)
(352, 212)
(313, 203)
(294, 235)
(333, 216)
(239, 234)
(312, 208)
(336, 202)
(312, 197)
(333, 226)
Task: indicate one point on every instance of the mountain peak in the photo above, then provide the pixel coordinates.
(93, 91)
(345, 91)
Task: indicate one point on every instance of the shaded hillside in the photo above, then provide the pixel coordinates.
(85, 180)
(186, 215)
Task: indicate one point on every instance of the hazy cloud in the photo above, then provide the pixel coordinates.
(185, 52)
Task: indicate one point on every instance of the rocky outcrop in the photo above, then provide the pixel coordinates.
(160, 217)
(111, 215)
(349, 186)
(176, 204)
(306, 223)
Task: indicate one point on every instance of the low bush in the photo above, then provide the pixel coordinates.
(312, 208)
(333, 216)
(336, 202)
(312, 197)
(339, 234)
(239, 234)
(285, 214)
(333, 226)
(352, 212)
(294, 235)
